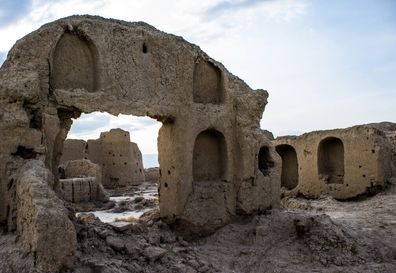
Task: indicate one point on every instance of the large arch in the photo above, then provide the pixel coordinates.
(83, 64)
(331, 160)
(289, 175)
(209, 156)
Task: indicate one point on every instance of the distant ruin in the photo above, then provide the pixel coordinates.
(81, 181)
(343, 163)
(119, 158)
(83, 64)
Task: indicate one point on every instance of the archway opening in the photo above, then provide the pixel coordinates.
(331, 160)
(209, 156)
(289, 175)
(265, 161)
(108, 158)
(123, 146)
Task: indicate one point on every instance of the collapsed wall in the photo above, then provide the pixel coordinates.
(343, 163)
(119, 158)
(83, 64)
(81, 181)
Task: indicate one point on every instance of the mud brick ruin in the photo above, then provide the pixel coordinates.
(210, 144)
(81, 181)
(215, 161)
(343, 163)
(119, 158)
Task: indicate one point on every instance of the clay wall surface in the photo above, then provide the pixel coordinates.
(83, 64)
(343, 163)
(73, 149)
(120, 159)
(82, 182)
(151, 175)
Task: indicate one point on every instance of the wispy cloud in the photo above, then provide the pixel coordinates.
(230, 5)
(12, 10)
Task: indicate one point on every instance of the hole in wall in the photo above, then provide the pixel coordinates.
(144, 48)
(265, 161)
(25, 153)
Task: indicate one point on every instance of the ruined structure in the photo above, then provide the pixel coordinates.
(81, 181)
(119, 158)
(215, 162)
(151, 175)
(343, 163)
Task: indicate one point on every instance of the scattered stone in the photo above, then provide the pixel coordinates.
(153, 253)
(115, 243)
(120, 225)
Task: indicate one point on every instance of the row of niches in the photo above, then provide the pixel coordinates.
(75, 65)
(330, 163)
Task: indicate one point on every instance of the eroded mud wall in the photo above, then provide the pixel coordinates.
(343, 163)
(119, 158)
(83, 64)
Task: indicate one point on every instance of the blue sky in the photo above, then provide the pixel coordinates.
(326, 64)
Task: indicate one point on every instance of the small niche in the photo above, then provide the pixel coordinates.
(209, 156)
(289, 175)
(331, 160)
(74, 63)
(207, 83)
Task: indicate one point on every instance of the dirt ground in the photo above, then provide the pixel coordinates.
(323, 235)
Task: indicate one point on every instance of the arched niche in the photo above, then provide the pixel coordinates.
(265, 161)
(74, 63)
(209, 156)
(289, 175)
(207, 83)
(331, 160)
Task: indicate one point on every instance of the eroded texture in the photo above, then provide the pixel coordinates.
(343, 163)
(120, 159)
(81, 181)
(85, 64)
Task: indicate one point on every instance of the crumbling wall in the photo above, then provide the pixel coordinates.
(82, 182)
(73, 149)
(134, 69)
(151, 175)
(42, 221)
(343, 163)
(120, 159)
